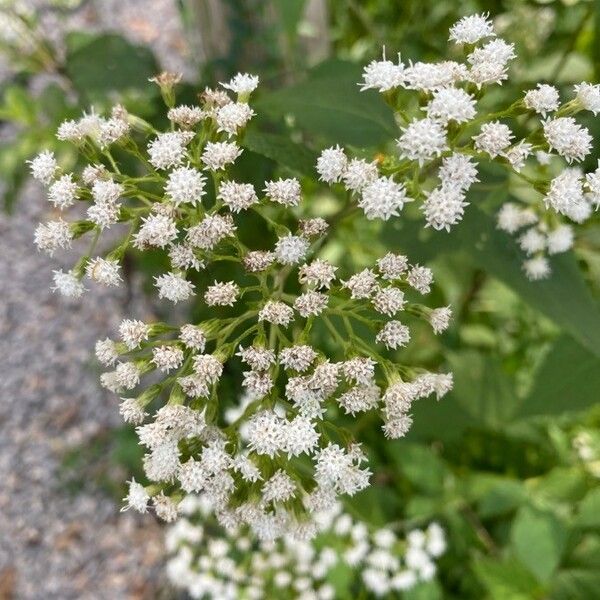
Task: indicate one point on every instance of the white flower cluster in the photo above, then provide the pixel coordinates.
(279, 461)
(230, 565)
(451, 138)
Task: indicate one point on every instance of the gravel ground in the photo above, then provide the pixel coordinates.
(55, 543)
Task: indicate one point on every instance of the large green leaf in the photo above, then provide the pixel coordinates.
(282, 150)
(538, 539)
(563, 297)
(568, 380)
(329, 105)
(99, 65)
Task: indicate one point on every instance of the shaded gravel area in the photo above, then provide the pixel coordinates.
(55, 543)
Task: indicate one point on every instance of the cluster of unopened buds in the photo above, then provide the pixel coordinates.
(303, 346)
(447, 128)
(208, 562)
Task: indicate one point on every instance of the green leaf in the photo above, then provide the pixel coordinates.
(589, 510)
(576, 584)
(507, 579)
(430, 590)
(482, 388)
(329, 105)
(420, 465)
(538, 539)
(563, 297)
(107, 63)
(282, 150)
(568, 380)
(503, 497)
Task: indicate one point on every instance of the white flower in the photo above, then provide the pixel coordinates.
(543, 99)
(167, 358)
(388, 301)
(537, 268)
(53, 235)
(210, 231)
(359, 173)
(392, 266)
(589, 96)
(168, 149)
(279, 488)
(393, 335)
(439, 318)
(222, 293)
(63, 192)
(568, 138)
(471, 29)
(237, 196)
(284, 191)
(67, 284)
(422, 140)
(185, 184)
(243, 84)
(319, 274)
(382, 198)
(217, 155)
(518, 154)
(277, 313)
(182, 256)
(451, 104)
(133, 332)
(359, 370)
(266, 433)
(298, 358)
(496, 52)
(106, 352)
(511, 217)
(311, 303)
(193, 337)
(566, 191)
(70, 131)
(137, 497)
(174, 287)
(131, 411)
(444, 207)
(156, 230)
(43, 167)
(457, 171)
(362, 284)
(233, 116)
(532, 241)
(104, 271)
(185, 116)
(493, 138)
(259, 260)
(259, 359)
(360, 398)
(560, 239)
(291, 249)
(428, 77)
(106, 191)
(382, 75)
(420, 278)
(257, 384)
(331, 164)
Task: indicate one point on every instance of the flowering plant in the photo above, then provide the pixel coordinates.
(437, 156)
(283, 455)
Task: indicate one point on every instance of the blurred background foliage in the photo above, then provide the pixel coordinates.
(510, 461)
